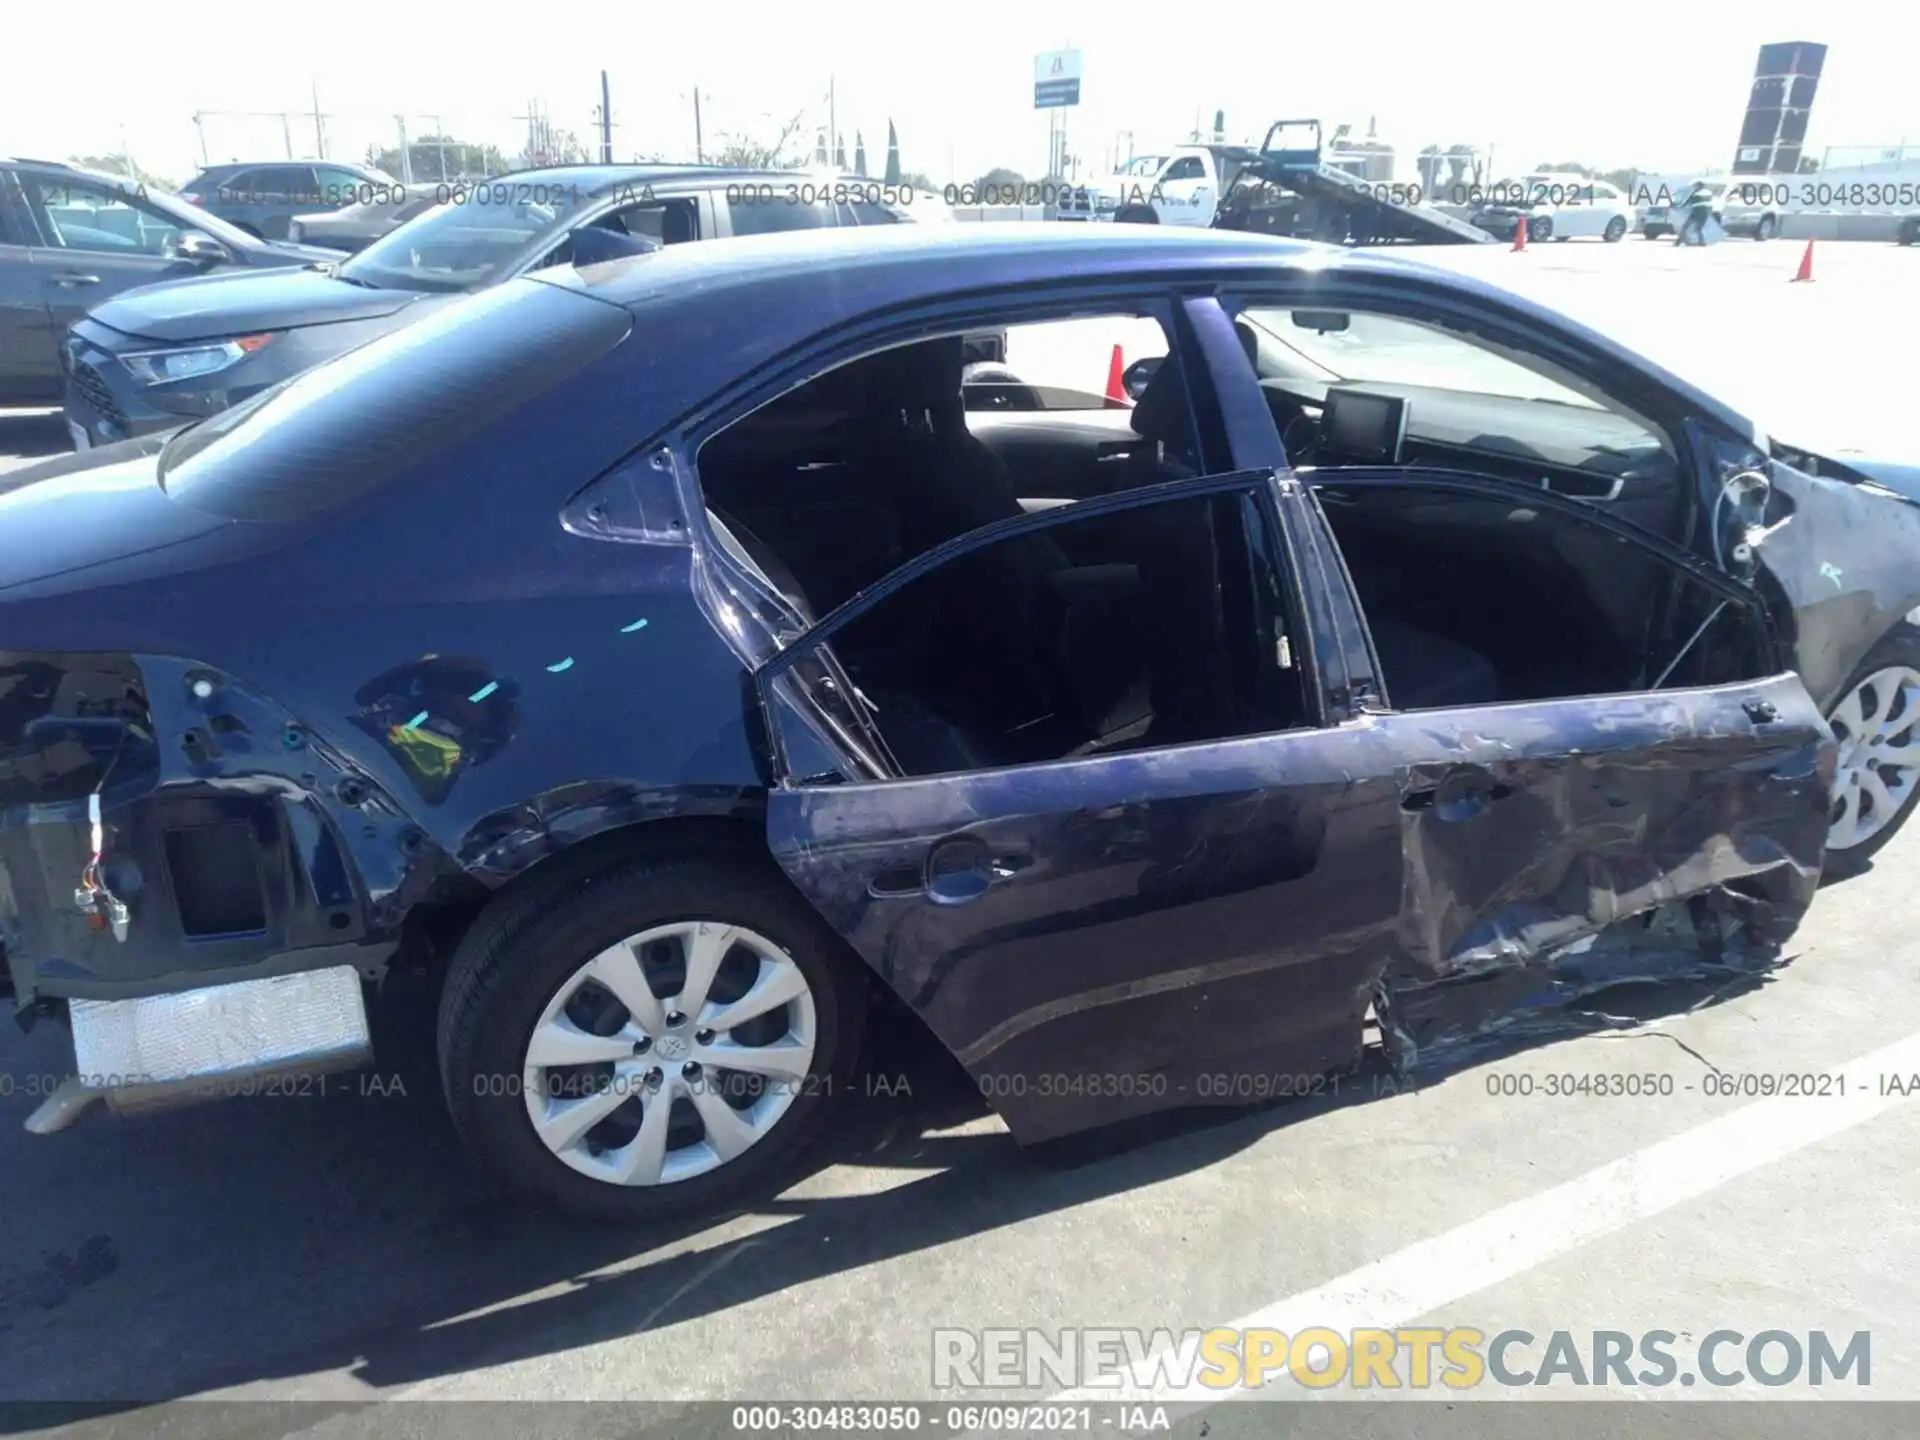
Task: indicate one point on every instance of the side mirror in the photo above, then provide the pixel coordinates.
(1135, 378)
(199, 249)
(1326, 322)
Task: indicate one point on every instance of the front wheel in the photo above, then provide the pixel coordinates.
(1767, 228)
(1539, 227)
(657, 1038)
(1878, 777)
(1616, 231)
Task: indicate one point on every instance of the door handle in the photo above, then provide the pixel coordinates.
(67, 279)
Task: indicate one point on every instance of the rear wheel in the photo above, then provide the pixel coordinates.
(1136, 215)
(652, 1039)
(1878, 778)
(1767, 228)
(1616, 230)
(1539, 227)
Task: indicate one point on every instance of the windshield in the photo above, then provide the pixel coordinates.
(1383, 350)
(469, 240)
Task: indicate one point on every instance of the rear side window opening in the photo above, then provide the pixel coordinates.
(842, 479)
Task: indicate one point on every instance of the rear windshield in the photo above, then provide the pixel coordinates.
(352, 423)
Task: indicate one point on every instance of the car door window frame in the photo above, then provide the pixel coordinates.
(1682, 564)
(1643, 396)
(1263, 486)
(51, 239)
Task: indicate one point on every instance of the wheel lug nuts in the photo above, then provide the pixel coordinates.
(703, 1037)
(690, 1071)
(655, 1076)
(642, 1045)
(676, 1018)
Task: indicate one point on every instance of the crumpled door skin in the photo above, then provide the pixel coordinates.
(1693, 848)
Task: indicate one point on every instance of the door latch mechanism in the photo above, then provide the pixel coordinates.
(104, 909)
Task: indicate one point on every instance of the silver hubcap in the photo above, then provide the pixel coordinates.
(670, 1053)
(1879, 758)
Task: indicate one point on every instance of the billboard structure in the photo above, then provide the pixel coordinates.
(1775, 127)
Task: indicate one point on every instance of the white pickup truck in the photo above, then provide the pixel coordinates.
(1181, 187)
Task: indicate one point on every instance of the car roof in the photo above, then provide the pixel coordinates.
(798, 284)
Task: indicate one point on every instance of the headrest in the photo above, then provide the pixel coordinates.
(1160, 414)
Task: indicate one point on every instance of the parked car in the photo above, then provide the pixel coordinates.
(1909, 230)
(262, 198)
(354, 227)
(1557, 207)
(170, 354)
(70, 238)
(668, 660)
(1737, 216)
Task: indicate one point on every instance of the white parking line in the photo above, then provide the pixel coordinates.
(1413, 1282)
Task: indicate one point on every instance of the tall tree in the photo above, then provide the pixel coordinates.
(752, 152)
(859, 154)
(893, 155)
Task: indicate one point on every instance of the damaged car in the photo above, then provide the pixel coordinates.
(680, 663)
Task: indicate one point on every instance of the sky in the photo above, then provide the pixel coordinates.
(1654, 86)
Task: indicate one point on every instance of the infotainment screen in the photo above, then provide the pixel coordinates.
(1364, 427)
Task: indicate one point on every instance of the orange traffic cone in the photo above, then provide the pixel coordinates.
(1116, 380)
(1805, 272)
(1520, 234)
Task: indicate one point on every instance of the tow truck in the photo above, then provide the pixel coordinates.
(1283, 187)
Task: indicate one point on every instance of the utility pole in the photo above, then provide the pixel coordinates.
(286, 133)
(833, 123)
(606, 122)
(319, 132)
(201, 131)
(406, 151)
(699, 141)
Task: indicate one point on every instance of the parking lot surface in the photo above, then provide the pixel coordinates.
(339, 1248)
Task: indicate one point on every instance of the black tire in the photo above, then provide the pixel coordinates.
(1136, 215)
(1899, 646)
(1655, 232)
(1616, 231)
(1767, 228)
(1909, 231)
(1539, 227)
(526, 945)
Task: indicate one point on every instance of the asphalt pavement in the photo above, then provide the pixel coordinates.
(312, 1255)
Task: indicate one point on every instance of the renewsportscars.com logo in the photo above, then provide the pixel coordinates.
(1197, 1363)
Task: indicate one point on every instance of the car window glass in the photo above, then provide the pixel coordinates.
(343, 187)
(473, 239)
(756, 214)
(867, 212)
(671, 222)
(90, 215)
(281, 182)
(1187, 167)
(1141, 628)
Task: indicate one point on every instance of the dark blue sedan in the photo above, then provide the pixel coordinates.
(684, 667)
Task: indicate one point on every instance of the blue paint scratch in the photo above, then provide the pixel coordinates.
(636, 625)
(484, 691)
(416, 722)
(566, 664)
